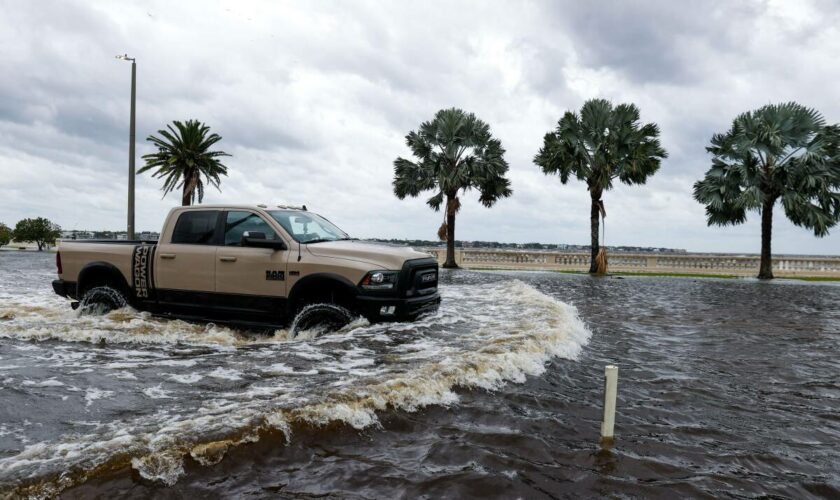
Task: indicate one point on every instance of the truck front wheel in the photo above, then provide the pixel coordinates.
(101, 300)
(320, 318)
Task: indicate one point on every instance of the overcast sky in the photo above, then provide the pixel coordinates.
(314, 99)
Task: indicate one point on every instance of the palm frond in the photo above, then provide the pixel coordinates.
(453, 152)
(184, 156)
(604, 142)
(777, 151)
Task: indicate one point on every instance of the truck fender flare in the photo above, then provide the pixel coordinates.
(98, 269)
(306, 283)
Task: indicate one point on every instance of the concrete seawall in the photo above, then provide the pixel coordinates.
(711, 264)
(24, 245)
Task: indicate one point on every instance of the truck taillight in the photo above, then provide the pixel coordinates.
(58, 262)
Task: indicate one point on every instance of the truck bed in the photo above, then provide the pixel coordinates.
(76, 254)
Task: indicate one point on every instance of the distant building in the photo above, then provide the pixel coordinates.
(76, 234)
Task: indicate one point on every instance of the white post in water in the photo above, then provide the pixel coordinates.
(610, 390)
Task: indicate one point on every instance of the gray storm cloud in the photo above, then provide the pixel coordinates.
(314, 100)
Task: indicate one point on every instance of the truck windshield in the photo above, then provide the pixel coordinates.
(306, 227)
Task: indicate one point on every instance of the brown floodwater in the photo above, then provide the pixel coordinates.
(726, 388)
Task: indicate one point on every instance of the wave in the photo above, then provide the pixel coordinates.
(483, 337)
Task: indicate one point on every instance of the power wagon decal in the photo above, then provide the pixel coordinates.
(142, 280)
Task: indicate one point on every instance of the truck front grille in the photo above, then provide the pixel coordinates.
(419, 277)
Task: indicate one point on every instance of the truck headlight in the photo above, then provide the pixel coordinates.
(379, 280)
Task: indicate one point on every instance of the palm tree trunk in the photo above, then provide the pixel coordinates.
(190, 183)
(450, 233)
(594, 223)
(765, 271)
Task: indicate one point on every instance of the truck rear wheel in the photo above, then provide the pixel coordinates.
(101, 300)
(322, 317)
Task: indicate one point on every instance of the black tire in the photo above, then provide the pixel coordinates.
(321, 317)
(101, 300)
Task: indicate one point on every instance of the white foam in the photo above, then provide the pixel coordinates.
(188, 378)
(92, 394)
(284, 369)
(52, 382)
(163, 467)
(156, 392)
(226, 373)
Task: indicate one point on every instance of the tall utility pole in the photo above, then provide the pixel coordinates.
(130, 228)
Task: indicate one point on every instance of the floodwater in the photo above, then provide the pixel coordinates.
(726, 388)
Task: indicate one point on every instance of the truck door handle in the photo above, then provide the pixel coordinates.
(167, 256)
(227, 259)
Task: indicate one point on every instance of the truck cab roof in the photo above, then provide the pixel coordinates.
(259, 206)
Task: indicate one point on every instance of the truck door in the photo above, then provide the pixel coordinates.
(185, 260)
(252, 280)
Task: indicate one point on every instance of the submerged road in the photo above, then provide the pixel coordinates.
(727, 388)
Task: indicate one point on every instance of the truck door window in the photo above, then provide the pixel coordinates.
(196, 227)
(237, 223)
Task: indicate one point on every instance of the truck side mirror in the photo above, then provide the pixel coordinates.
(257, 239)
(253, 235)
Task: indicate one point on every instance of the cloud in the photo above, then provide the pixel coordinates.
(655, 41)
(314, 101)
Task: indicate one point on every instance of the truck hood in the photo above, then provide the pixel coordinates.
(380, 256)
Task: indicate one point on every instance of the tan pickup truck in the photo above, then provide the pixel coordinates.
(250, 266)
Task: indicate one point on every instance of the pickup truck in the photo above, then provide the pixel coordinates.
(250, 266)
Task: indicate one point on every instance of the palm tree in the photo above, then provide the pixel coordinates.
(777, 152)
(455, 153)
(183, 156)
(601, 144)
